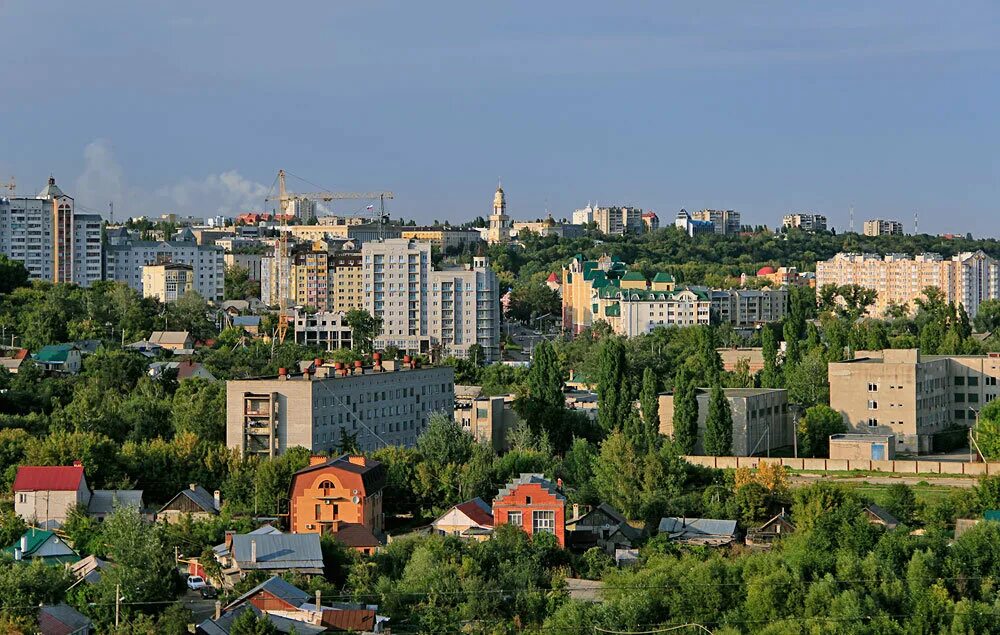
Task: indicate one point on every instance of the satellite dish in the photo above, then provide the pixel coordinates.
(355, 500)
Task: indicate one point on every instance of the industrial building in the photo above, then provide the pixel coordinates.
(760, 419)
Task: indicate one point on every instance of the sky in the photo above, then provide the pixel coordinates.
(765, 107)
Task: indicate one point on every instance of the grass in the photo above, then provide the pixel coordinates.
(860, 473)
(925, 493)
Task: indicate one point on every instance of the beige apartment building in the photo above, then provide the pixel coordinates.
(967, 278)
(386, 404)
(881, 227)
(618, 221)
(444, 238)
(912, 396)
(346, 281)
(760, 419)
(167, 282)
(487, 419)
(725, 221)
(805, 221)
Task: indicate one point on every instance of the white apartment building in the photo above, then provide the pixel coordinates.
(53, 242)
(618, 221)
(882, 227)
(126, 260)
(583, 216)
(423, 310)
(967, 278)
(805, 222)
(726, 222)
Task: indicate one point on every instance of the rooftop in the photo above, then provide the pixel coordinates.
(32, 478)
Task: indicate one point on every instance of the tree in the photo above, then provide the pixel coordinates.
(815, 428)
(364, 330)
(708, 363)
(545, 383)
(248, 623)
(807, 381)
(685, 412)
(649, 400)
(444, 442)
(900, 501)
(199, 406)
(718, 424)
(988, 316)
(614, 402)
(13, 274)
(532, 299)
(238, 285)
(770, 377)
(987, 430)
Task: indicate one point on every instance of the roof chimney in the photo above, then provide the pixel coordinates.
(192, 486)
(218, 609)
(217, 495)
(77, 463)
(316, 459)
(18, 554)
(282, 373)
(24, 543)
(319, 601)
(357, 459)
(253, 551)
(229, 541)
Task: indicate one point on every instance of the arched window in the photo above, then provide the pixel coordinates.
(327, 485)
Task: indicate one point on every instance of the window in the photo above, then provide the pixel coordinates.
(872, 404)
(872, 423)
(959, 413)
(973, 381)
(872, 387)
(959, 381)
(973, 397)
(527, 500)
(326, 485)
(543, 522)
(515, 518)
(959, 397)
(22, 498)
(319, 510)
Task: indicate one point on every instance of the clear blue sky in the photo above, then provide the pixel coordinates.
(765, 107)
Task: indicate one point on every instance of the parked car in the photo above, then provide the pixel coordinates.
(208, 592)
(195, 582)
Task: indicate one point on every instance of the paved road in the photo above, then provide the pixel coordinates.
(908, 479)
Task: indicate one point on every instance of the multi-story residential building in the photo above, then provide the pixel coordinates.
(881, 227)
(691, 226)
(618, 221)
(250, 262)
(784, 276)
(579, 280)
(499, 221)
(387, 404)
(651, 221)
(358, 233)
(805, 221)
(638, 311)
(322, 328)
(547, 227)
(967, 278)
(53, 242)
(912, 396)
(331, 495)
(126, 260)
(424, 310)
(533, 503)
(749, 307)
(167, 282)
(275, 279)
(584, 216)
(486, 418)
(444, 238)
(310, 281)
(760, 419)
(725, 222)
(347, 289)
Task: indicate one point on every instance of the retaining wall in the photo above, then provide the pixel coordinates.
(848, 465)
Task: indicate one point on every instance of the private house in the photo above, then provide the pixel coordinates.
(173, 340)
(186, 369)
(358, 537)
(12, 359)
(60, 358)
(706, 532)
(62, 619)
(273, 553)
(878, 516)
(87, 570)
(195, 501)
(601, 527)
(472, 519)
(44, 545)
(249, 323)
(771, 531)
(44, 495)
(333, 493)
(534, 504)
(145, 347)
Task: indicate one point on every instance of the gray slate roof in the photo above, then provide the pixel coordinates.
(104, 501)
(222, 625)
(278, 588)
(525, 479)
(697, 527)
(199, 496)
(67, 615)
(279, 551)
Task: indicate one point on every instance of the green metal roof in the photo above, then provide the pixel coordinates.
(600, 283)
(613, 310)
(634, 275)
(37, 538)
(663, 277)
(54, 353)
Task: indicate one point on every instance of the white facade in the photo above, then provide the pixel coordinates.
(324, 328)
(88, 253)
(125, 262)
(583, 216)
(805, 222)
(465, 310)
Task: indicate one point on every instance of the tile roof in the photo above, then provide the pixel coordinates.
(478, 511)
(527, 479)
(356, 535)
(663, 277)
(634, 276)
(34, 478)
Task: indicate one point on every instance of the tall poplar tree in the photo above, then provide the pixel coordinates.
(649, 401)
(545, 382)
(685, 411)
(769, 377)
(719, 424)
(614, 401)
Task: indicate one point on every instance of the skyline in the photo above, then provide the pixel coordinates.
(765, 111)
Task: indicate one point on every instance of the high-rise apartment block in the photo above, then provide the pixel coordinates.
(386, 404)
(126, 259)
(167, 282)
(726, 222)
(806, 222)
(881, 227)
(52, 241)
(423, 310)
(618, 221)
(912, 396)
(967, 278)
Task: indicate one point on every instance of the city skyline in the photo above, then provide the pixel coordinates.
(766, 112)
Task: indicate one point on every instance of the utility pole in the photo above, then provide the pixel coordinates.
(118, 598)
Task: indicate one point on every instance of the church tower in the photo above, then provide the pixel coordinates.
(499, 221)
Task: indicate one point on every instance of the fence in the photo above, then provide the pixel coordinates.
(957, 468)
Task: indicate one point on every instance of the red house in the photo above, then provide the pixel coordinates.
(534, 504)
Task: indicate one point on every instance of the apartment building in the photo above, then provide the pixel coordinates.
(744, 308)
(725, 222)
(805, 221)
(584, 216)
(167, 282)
(347, 289)
(444, 238)
(651, 221)
(912, 396)
(359, 233)
(52, 241)
(881, 227)
(967, 278)
(639, 311)
(423, 310)
(580, 280)
(692, 226)
(125, 262)
(327, 329)
(386, 404)
(310, 279)
(250, 262)
(547, 227)
(760, 419)
(618, 221)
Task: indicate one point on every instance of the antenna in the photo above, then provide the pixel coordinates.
(916, 223)
(852, 219)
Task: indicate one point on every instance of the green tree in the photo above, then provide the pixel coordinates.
(13, 274)
(815, 428)
(807, 382)
(199, 406)
(685, 418)
(114, 370)
(770, 377)
(545, 382)
(248, 623)
(238, 285)
(614, 402)
(364, 330)
(649, 400)
(988, 316)
(444, 442)
(900, 501)
(718, 424)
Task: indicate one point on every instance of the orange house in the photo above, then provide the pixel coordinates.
(534, 504)
(335, 493)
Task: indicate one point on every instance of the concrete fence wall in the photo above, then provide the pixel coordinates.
(847, 465)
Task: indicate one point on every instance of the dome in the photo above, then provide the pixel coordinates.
(766, 271)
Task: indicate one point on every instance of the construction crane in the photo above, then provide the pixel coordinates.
(284, 196)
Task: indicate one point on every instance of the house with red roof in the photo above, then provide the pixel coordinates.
(45, 494)
(472, 519)
(552, 282)
(332, 495)
(533, 503)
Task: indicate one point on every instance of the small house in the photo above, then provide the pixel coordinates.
(357, 537)
(602, 527)
(771, 531)
(472, 519)
(62, 619)
(60, 358)
(172, 340)
(533, 503)
(44, 545)
(195, 501)
(879, 516)
(271, 553)
(707, 532)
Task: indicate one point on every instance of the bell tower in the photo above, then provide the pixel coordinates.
(499, 231)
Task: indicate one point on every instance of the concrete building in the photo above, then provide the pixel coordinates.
(388, 404)
(912, 396)
(651, 221)
(487, 419)
(547, 227)
(444, 238)
(805, 221)
(880, 227)
(359, 233)
(745, 308)
(323, 328)
(346, 281)
(250, 262)
(618, 221)
(967, 278)
(871, 447)
(693, 226)
(499, 221)
(725, 222)
(583, 216)
(52, 241)
(424, 310)
(126, 260)
(760, 419)
(167, 282)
